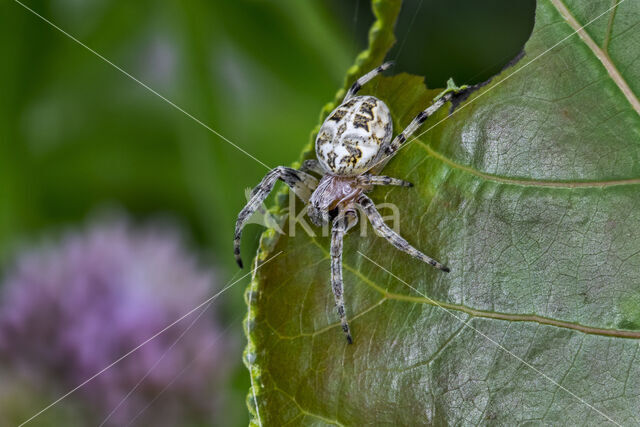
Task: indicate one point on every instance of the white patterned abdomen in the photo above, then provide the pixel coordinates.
(351, 137)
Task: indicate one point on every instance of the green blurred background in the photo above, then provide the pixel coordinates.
(77, 135)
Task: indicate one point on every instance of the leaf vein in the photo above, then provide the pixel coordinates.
(599, 53)
(513, 317)
(527, 182)
(304, 411)
(607, 37)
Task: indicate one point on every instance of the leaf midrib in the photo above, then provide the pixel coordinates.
(601, 54)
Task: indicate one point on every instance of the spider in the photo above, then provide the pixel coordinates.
(354, 141)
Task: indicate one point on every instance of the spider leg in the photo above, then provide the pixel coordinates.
(382, 180)
(312, 166)
(402, 137)
(394, 238)
(342, 224)
(364, 79)
(300, 182)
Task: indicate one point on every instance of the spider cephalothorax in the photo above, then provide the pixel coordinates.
(354, 140)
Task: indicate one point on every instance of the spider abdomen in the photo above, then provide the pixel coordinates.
(350, 139)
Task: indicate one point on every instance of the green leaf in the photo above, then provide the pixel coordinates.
(529, 192)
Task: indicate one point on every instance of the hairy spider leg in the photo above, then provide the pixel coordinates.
(402, 137)
(364, 79)
(394, 238)
(343, 222)
(300, 182)
(382, 180)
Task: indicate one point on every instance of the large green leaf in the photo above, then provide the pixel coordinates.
(529, 192)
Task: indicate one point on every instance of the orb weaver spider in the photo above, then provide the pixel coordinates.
(354, 140)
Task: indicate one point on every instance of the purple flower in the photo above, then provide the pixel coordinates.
(70, 309)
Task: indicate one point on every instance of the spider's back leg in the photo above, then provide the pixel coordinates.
(364, 79)
(341, 225)
(300, 182)
(394, 238)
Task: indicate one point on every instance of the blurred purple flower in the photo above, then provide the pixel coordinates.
(68, 310)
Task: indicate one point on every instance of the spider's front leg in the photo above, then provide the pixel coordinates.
(343, 222)
(300, 182)
(439, 101)
(355, 87)
(394, 238)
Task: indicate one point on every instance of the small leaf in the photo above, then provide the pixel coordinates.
(529, 192)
